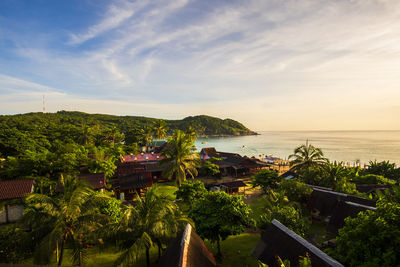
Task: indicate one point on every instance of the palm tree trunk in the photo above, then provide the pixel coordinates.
(159, 249)
(219, 246)
(61, 251)
(148, 257)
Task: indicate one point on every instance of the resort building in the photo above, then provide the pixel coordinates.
(12, 193)
(135, 173)
(232, 164)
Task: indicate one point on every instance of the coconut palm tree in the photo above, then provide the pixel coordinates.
(191, 131)
(64, 219)
(334, 172)
(160, 130)
(149, 222)
(306, 156)
(178, 157)
(148, 137)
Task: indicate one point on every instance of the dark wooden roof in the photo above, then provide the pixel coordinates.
(13, 189)
(187, 249)
(234, 184)
(280, 241)
(343, 210)
(325, 201)
(96, 180)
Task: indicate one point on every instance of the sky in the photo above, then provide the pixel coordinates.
(270, 64)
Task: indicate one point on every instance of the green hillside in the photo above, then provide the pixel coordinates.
(33, 131)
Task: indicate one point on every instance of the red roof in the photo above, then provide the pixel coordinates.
(15, 188)
(142, 157)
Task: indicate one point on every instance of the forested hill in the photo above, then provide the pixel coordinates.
(66, 127)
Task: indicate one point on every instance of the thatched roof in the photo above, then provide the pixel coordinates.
(343, 210)
(280, 241)
(187, 250)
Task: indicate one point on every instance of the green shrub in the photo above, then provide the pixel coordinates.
(288, 216)
(295, 190)
(372, 179)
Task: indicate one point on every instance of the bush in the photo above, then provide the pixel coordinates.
(295, 190)
(288, 216)
(15, 244)
(267, 179)
(372, 179)
(190, 191)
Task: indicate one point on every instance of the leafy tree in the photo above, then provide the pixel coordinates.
(219, 215)
(190, 191)
(63, 219)
(267, 179)
(151, 220)
(178, 158)
(295, 190)
(209, 169)
(372, 238)
(306, 156)
(278, 207)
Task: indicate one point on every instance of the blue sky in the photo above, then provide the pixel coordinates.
(273, 65)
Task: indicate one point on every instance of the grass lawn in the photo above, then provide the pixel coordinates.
(167, 189)
(102, 257)
(236, 250)
(257, 205)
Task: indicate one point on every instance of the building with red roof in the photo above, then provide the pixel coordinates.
(11, 193)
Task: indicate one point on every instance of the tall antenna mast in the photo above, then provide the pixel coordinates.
(44, 105)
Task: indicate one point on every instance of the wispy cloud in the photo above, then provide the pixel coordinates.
(234, 58)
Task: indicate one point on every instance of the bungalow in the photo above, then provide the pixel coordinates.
(232, 164)
(234, 187)
(280, 241)
(135, 173)
(228, 187)
(187, 249)
(12, 193)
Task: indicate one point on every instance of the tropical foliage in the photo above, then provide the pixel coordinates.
(179, 159)
(67, 219)
(150, 222)
(191, 191)
(372, 238)
(306, 156)
(267, 179)
(219, 215)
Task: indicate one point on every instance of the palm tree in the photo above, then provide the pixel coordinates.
(191, 131)
(160, 130)
(335, 172)
(179, 158)
(305, 157)
(65, 219)
(148, 137)
(150, 221)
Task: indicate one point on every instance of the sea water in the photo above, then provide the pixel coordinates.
(347, 146)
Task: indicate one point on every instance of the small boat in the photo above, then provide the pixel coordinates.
(204, 142)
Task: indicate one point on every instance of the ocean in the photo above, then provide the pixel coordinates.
(347, 146)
